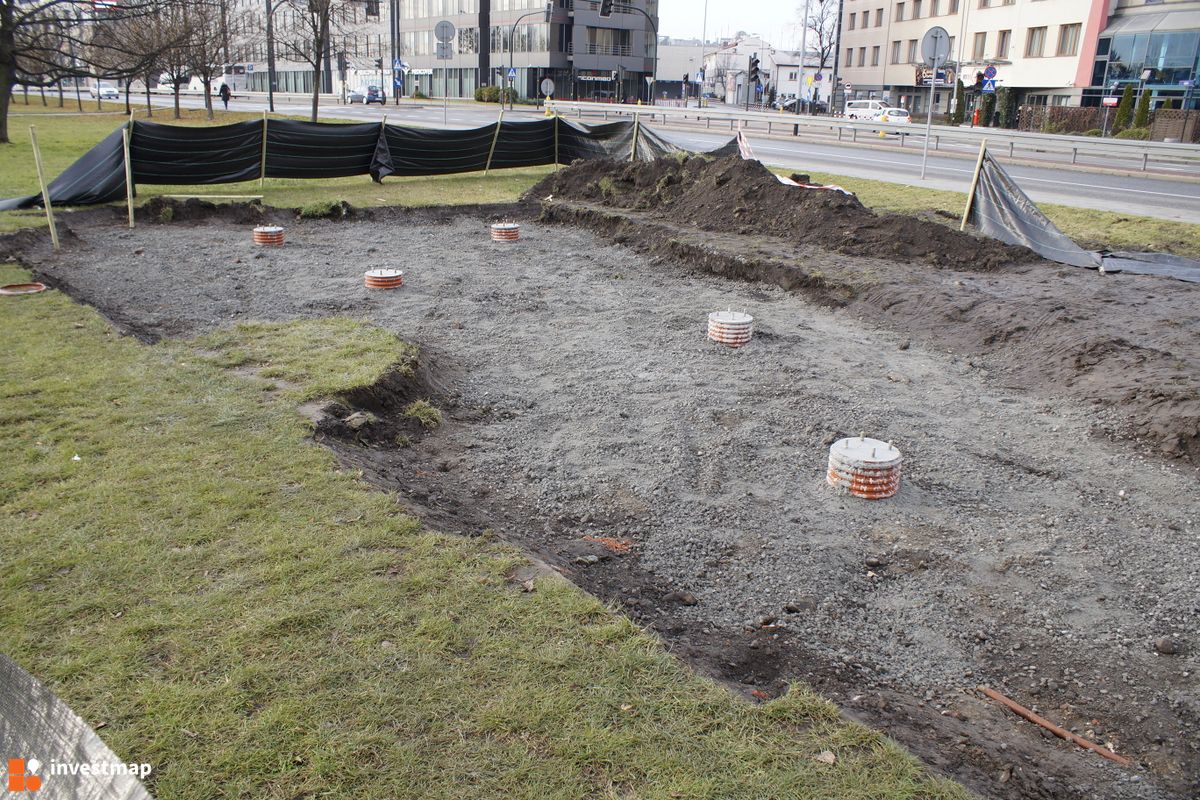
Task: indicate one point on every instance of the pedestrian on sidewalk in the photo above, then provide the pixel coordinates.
(225, 95)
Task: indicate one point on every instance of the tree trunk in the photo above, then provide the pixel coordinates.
(78, 95)
(149, 108)
(128, 108)
(177, 115)
(42, 89)
(5, 98)
(208, 106)
(61, 99)
(8, 63)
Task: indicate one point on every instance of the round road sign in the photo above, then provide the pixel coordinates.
(935, 46)
(443, 31)
(547, 87)
(990, 72)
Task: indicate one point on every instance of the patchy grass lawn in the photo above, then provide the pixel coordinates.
(257, 623)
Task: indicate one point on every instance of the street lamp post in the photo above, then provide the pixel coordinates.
(271, 8)
(512, 42)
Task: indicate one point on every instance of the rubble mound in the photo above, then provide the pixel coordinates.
(735, 195)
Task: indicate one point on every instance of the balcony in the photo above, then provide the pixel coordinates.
(609, 50)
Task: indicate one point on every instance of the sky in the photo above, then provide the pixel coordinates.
(776, 20)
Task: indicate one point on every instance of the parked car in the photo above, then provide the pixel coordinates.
(375, 95)
(105, 91)
(356, 96)
(789, 106)
(895, 115)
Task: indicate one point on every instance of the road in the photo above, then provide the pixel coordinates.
(1173, 197)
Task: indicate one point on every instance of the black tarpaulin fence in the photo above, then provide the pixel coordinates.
(179, 156)
(1000, 209)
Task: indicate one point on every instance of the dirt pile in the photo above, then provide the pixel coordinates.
(739, 196)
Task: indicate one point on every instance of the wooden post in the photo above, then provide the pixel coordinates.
(262, 173)
(37, 161)
(974, 185)
(495, 139)
(128, 136)
(555, 140)
(637, 124)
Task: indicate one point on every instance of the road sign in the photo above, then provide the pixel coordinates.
(443, 31)
(818, 77)
(649, 80)
(1111, 101)
(935, 46)
(547, 87)
(989, 72)
(249, 68)
(512, 74)
(445, 51)
(989, 86)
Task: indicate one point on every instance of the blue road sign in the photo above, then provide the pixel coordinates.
(512, 74)
(990, 72)
(989, 85)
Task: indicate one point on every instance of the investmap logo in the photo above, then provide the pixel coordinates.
(29, 775)
(22, 775)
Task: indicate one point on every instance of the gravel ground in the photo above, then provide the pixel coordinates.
(1023, 551)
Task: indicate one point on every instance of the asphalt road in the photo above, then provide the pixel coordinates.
(1175, 197)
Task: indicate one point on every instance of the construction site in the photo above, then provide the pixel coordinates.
(646, 371)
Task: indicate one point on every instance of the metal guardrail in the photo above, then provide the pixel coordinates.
(847, 128)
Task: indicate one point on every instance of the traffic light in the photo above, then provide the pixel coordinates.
(754, 72)
(978, 81)
(549, 11)
(614, 74)
(606, 8)
(379, 63)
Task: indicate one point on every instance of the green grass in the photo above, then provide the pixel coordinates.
(424, 413)
(257, 623)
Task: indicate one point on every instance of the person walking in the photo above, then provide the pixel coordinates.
(225, 95)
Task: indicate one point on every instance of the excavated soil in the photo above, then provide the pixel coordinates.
(734, 195)
(1044, 540)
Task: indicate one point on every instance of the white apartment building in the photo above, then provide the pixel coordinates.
(1042, 48)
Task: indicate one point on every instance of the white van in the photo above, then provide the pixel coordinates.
(864, 109)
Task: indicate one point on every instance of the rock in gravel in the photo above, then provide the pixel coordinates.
(684, 598)
(1167, 646)
(801, 605)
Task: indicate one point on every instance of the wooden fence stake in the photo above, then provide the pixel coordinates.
(262, 172)
(974, 185)
(495, 139)
(128, 137)
(37, 161)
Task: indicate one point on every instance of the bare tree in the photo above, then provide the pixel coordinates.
(315, 23)
(822, 25)
(43, 42)
(207, 20)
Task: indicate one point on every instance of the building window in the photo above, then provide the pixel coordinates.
(875, 56)
(849, 56)
(899, 12)
(985, 3)
(850, 22)
(895, 52)
(916, 9)
(1035, 42)
(980, 46)
(862, 56)
(1002, 44)
(879, 18)
(953, 7)
(912, 51)
(933, 8)
(1068, 40)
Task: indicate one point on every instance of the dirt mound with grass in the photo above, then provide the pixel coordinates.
(738, 196)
